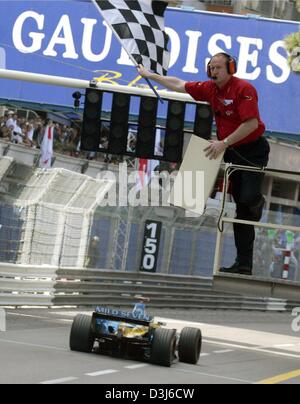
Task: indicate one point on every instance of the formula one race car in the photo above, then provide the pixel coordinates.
(134, 335)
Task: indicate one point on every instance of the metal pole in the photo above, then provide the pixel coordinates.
(219, 241)
(83, 84)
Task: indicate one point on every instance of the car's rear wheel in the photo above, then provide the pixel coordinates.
(189, 346)
(81, 337)
(163, 347)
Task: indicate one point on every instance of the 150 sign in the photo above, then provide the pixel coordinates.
(151, 246)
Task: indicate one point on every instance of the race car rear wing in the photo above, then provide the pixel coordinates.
(122, 316)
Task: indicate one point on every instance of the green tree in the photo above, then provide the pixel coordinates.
(292, 44)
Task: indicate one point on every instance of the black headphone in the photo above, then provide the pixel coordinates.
(231, 64)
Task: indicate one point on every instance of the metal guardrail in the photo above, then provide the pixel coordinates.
(22, 285)
(255, 286)
(50, 286)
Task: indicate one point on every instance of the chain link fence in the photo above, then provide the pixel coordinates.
(54, 218)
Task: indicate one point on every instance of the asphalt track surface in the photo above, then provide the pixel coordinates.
(238, 348)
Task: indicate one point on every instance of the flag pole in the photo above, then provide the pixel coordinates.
(154, 90)
(128, 53)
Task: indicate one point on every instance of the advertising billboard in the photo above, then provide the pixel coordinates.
(70, 39)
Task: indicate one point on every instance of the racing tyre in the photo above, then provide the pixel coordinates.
(163, 347)
(81, 337)
(189, 346)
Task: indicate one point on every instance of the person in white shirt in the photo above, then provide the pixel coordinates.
(17, 134)
(30, 131)
(11, 120)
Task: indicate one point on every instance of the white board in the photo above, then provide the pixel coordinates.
(196, 177)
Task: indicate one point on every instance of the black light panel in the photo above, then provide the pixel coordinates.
(174, 139)
(117, 142)
(91, 125)
(145, 147)
(203, 121)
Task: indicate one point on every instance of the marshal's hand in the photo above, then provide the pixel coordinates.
(214, 150)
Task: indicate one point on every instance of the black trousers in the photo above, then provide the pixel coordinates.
(246, 191)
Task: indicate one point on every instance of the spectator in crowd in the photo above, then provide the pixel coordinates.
(6, 133)
(59, 139)
(17, 136)
(93, 255)
(38, 132)
(72, 142)
(11, 119)
(3, 120)
(30, 132)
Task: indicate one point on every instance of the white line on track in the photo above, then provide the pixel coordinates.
(102, 373)
(214, 376)
(254, 349)
(132, 367)
(223, 351)
(283, 346)
(60, 381)
(33, 345)
(65, 320)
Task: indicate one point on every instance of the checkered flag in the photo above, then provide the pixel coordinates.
(139, 26)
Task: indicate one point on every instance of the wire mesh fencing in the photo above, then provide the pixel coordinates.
(56, 218)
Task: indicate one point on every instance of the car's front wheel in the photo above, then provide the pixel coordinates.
(189, 346)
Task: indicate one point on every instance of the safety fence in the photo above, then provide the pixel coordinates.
(54, 218)
(50, 220)
(51, 286)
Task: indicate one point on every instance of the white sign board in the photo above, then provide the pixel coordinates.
(196, 178)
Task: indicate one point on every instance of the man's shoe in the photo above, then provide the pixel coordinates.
(257, 210)
(238, 269)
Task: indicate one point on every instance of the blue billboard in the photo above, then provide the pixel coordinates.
(70, 39)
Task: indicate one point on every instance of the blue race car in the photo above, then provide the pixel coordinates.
(134, 335)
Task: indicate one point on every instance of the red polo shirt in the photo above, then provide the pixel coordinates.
(232, 105)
